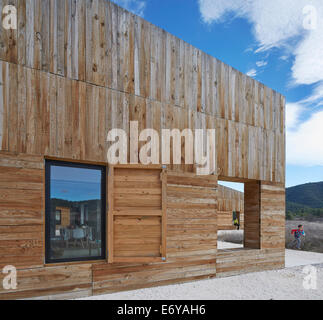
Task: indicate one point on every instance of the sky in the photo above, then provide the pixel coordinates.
(279, 43)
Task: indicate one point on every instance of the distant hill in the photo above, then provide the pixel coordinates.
(309, 194)
(305, 200)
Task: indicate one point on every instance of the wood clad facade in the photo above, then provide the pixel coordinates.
(72, 71)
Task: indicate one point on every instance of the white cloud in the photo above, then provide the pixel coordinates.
(308, 65)
(252, 73)
(316, 97)
(293, 112)
(284, 58)
(261, 63)
(278, 24)
(304, 143)
(135, 6)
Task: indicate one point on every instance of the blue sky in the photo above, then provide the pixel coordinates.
(279, 43)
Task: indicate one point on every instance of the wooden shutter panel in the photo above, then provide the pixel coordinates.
(137, 214)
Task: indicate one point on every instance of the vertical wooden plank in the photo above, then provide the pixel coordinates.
(162, 66)
(208, 87)
(97, 63)
(76, 145)
(53, 29)
(45, 112)
(30, 126)
(21, 40)
(103, 67)
(53, 114)
(38, 112)
(128, 53)
(68, 120)
(107, 34)
(237, 96)
(137, 37)
(154, 62)
(45, 23)
(37, 61)
(164, 213)
(61, 87)
(89, 28)
(144, 58)
(243, 105)
(172, 68)
(13, 108)
(61, 26)
(3, 106)
(187, 76)
(96, 123)
(34, 123)
(79, 47)
(30, 34)
(82, 119)
(89, 118)
(22, 111)
(115, 47)
(102, 133)
(220, 92)
(229, 89)
(238, 150)
(76, 32)
(214, 83)
(199, 84)
(69, 37)
(194, 81)
(110, 213)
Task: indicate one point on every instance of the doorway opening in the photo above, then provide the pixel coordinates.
(230, 215)
(238, 214)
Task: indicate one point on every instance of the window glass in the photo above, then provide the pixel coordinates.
(75, 212)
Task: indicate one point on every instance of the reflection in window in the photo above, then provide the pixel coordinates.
(75, 212)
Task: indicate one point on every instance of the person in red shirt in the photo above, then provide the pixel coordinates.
(298, 233)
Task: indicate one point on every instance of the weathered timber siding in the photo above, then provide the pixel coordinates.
(21, 211)
(234, 262)
(42, 118)
(191, 236)
(272, 215)
(72, 71)
(191, 240)
(119, 58)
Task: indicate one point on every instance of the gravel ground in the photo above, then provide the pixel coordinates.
(286, 284)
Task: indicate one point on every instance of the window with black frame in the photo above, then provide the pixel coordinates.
(75, 211)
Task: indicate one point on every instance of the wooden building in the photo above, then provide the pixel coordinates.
(69, 73)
